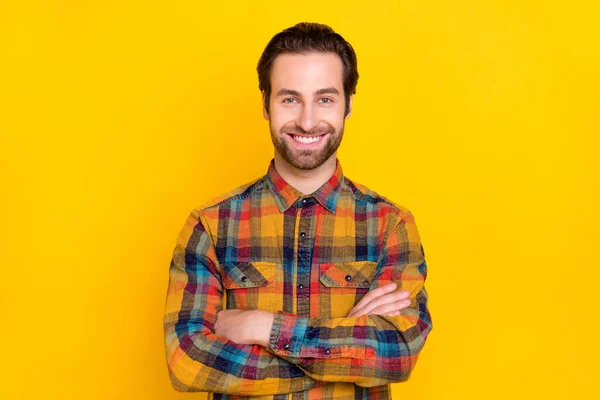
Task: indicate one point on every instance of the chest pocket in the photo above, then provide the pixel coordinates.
(349, 274)
(249, 285)
(343, 284)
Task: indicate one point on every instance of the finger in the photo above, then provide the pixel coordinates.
(373, 294)
(385, 299)
(373, 297)
(391, 307)
(390, 314)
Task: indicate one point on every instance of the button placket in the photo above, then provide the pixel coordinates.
(306, 215)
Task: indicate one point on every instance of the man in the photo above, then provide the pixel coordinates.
(322, 279)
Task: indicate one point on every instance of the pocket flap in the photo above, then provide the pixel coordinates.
(248, 274)
(348, 274)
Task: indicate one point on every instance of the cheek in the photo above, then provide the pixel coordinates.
(333, 118)
(282, 117)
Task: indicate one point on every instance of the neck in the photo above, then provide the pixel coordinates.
(305, 180)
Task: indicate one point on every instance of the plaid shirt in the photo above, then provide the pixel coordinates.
(308, 259)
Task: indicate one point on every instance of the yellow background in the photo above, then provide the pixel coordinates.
(117, 118)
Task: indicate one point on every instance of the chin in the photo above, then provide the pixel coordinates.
(307, 164)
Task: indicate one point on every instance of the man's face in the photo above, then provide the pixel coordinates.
(306, 115)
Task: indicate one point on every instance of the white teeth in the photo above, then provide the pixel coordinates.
(303, 139)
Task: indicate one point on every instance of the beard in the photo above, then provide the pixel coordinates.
(307, 159)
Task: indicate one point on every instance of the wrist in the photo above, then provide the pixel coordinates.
(265, 324)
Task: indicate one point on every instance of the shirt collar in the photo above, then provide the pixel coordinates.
(285, 194)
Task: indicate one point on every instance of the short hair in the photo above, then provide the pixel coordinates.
(306, 37)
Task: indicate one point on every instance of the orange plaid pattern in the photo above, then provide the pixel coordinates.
(308, 259)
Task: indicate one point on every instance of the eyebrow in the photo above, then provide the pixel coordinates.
(283, 92)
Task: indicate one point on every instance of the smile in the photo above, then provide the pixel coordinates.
(307, 140)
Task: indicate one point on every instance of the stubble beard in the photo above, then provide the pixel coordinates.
(307, 159)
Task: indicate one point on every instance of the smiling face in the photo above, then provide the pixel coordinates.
(306, 117)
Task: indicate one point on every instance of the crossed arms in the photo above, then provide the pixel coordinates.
(292, 353)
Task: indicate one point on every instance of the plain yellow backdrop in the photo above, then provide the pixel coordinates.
(118, 118)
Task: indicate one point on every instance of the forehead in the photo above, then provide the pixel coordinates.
(307, 72)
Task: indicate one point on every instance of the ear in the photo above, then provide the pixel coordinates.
(350, 106)
(264, 106)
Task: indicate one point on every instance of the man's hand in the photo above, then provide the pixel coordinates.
(245, 326)
(382, 301)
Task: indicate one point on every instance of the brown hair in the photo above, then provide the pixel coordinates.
(305, 37)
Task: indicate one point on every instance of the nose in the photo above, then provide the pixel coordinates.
(308, 118)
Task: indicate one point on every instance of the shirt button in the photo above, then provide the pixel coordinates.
(300, 286)
(286, 346)
(348, 278)
(244, 279)
(303, 234)
(327, 351)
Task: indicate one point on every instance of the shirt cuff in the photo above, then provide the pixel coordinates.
(287, 334)
(289, 339)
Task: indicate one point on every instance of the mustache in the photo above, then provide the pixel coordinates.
(318, 131)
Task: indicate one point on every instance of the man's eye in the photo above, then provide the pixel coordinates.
(328, 100)
(289, 98)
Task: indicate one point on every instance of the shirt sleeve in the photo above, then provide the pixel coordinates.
(369, 350)
(199, 360)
